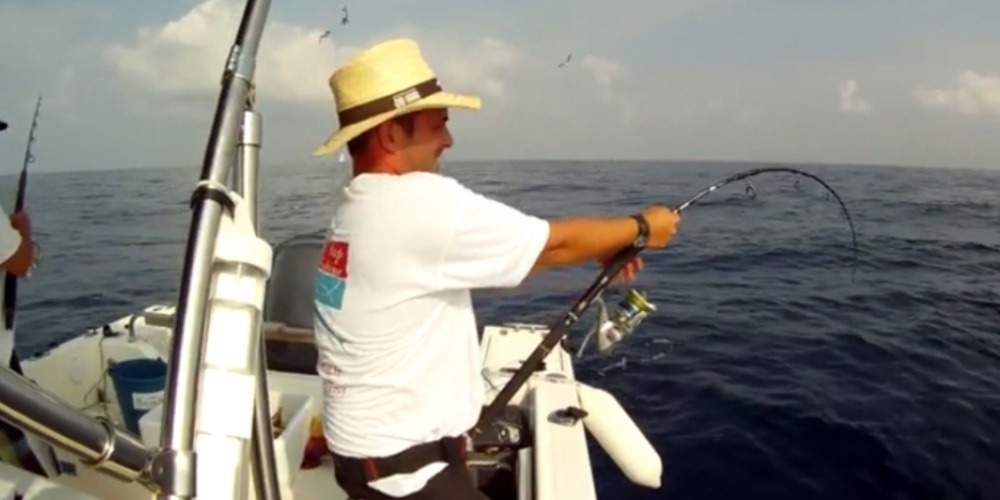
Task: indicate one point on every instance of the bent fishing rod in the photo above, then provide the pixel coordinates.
(30, 459)
(10, 281)
(617, 263)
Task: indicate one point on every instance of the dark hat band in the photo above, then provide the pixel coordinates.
(392, 102)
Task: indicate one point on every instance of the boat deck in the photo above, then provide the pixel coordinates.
(504, 465)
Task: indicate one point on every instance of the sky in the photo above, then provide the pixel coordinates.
(133, 84)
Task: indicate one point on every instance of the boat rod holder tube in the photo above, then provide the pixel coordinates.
(555, 335)
(265, 472)
(229, 381)
(100, 444)
(174, 465)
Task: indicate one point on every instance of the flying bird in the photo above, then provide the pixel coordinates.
(3, 125)
(344, 20)
(324, 35)
(564, 63)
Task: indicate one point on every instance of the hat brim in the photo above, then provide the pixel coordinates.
(439, 100)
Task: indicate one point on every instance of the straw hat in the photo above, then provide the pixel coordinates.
(381, 83)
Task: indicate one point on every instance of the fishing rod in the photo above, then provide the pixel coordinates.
(29, 459)
(636, 304)
(10, 281)
(750, 189)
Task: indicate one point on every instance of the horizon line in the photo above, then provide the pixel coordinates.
(316, 162)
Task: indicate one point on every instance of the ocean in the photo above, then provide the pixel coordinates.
(776, 367)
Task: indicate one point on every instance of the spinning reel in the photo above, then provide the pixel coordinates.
(612, 328)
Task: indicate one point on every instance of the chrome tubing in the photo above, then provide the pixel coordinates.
(245, 177)
(100, 444)
(265, 472)
(174, 468)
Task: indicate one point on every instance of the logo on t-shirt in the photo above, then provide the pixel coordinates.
(331, 278)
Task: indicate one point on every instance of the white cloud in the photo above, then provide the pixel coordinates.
(479, 68)
(973, 94)
(185, 57)
(605, 71)
(61, 96)
(850, 102)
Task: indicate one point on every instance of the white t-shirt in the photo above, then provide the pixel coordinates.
(396, 332)
(10, 239)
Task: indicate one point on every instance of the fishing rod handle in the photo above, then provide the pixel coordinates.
(555, 335)
(523, 373)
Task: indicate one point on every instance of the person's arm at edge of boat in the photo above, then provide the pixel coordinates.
(16, 248)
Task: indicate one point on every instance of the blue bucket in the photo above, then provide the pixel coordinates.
(139, 385)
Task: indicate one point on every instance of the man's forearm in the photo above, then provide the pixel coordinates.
(578, 240)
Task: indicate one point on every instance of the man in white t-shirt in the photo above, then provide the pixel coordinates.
(395, 328)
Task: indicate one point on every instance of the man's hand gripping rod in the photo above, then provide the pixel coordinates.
(555, 335)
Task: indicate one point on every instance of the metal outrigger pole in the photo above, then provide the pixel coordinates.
(216, 367)
(215, 364)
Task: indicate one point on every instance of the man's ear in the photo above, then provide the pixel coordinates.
(391, 136)
(382, 137)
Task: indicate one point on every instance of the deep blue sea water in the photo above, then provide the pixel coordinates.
(773, 368)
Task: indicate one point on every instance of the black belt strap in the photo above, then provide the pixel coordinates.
(452, 450)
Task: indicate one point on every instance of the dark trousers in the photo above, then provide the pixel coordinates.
(454, 482)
